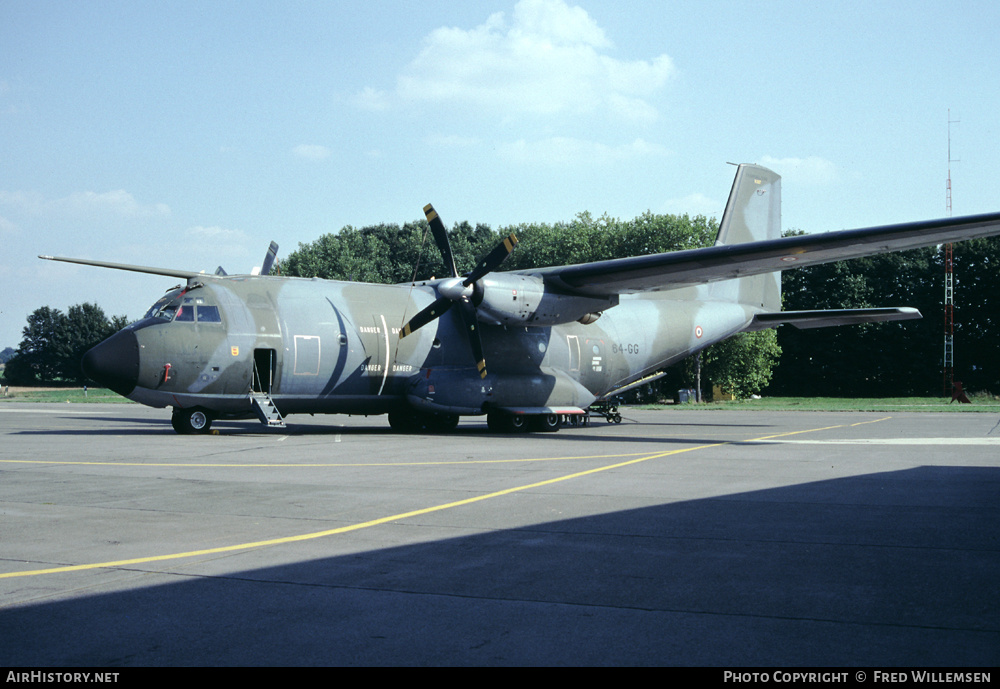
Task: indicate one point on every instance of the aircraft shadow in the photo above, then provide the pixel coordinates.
(894, 568)
(594, 431)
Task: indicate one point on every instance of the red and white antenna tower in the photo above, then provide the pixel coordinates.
(949, 288)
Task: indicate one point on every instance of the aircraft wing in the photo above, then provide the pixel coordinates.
(186, 274)
(676, 269)
(269, 260)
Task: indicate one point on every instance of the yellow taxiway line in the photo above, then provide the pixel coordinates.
(402, 515)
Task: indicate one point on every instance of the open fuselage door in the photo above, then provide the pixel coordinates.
(265, 365)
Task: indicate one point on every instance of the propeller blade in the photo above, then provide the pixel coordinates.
(441, 239)
(272, 252)
(426, 316)
(493, 259)
(468, 312)
(455, 292)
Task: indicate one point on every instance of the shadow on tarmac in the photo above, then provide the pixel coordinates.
(598, 429)
(894, 568)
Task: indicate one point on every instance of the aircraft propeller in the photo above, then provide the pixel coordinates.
(458, 290)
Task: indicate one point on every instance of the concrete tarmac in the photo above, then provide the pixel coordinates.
(678, 537)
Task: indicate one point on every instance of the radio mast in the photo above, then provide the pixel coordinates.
(949, 287)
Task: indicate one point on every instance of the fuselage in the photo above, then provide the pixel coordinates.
(320, 346)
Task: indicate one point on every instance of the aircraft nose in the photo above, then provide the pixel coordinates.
(115, 362)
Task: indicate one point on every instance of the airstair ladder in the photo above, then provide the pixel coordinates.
(263, 407)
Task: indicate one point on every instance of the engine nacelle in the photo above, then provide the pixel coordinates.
(508, 299)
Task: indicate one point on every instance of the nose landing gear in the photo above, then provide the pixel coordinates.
(191, 421)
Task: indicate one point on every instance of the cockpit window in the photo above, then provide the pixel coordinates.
(163, 309)
(208, 314)
(184, 309)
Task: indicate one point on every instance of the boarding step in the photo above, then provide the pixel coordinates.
(263, 407)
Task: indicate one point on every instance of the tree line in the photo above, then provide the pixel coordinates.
(894, 359)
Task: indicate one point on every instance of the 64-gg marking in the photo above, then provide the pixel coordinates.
(625, 348)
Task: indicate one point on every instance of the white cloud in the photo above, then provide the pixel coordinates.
(30, 202)
(215, 234)
(812, 171)
(561, 150)
(695, 204)
(553, 20)
(119, 202)
(84, 204)
(6, 107)
(311, 152)
(451, 141)
(372, 99)
(549, 58)
(208, 246)
(7, 227)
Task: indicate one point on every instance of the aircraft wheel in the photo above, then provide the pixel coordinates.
(547, 423)
(401, 422)
(191, 421)
(500, 422)
(441, 423)
(517, 423)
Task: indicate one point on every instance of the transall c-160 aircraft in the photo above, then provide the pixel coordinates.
(524, 348)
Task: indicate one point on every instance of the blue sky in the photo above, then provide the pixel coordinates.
(190, 134)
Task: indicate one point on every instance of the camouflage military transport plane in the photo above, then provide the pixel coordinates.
(524, 348)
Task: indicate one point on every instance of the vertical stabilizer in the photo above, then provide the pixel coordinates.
(753, 214)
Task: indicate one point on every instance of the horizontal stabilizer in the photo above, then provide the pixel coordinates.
(831, 317)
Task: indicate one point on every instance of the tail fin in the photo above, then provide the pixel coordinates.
(753, 214)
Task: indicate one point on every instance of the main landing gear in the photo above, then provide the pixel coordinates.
(191, 421)
(501, 422)
(413, 421)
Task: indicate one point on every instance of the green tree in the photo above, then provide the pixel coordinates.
(54, 343)
(977, 321)
(741, 365)
(890, 359)
(388, 254)
(874, 359)
(37, 357)
(393, 254)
